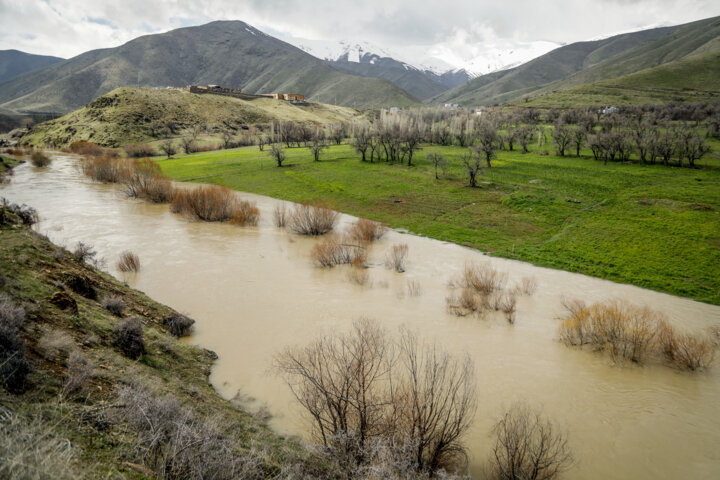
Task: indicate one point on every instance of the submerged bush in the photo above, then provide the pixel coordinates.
(129, 262)
(365, 230)
(481, 289)
(90, 149)
(214, 203)
(279, 215)
(128, 337)
(306, 219)
(108, 169)
(396, 257)
(333, 251)
(39, 159)
(146, 181)
(139, 150)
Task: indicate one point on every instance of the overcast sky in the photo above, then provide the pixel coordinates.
(67, 28)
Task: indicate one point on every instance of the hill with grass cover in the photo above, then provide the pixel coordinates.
(692, 79)
(228, 53)
(128, 115)
(585, 62)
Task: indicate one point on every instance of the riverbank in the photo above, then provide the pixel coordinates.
(646, 225)
(70, 417)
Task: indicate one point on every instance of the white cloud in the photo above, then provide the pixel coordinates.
(69, 27)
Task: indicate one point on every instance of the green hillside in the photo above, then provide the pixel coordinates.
(694, 79)
(127, 115)
(231, 54)
(586, 62)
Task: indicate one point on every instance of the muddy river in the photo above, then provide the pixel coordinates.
(254, 291)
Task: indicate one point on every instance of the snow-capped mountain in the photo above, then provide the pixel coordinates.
(474, 59)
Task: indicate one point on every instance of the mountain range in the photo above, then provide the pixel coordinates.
(356, 74)
(15, 62)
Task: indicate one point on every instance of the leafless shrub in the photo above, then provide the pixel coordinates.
(114, 304)
(686, 351)
(358, 276)
(77, 376)
(482, 288)
(395, 259)
(338, 251)
(365, 230)
(508, 303)
(129, 262)
(26, 214)
(306, 219)
(84, 252)
(128, 337)
(39, 159)
(14, 365)
(364, 387)
(139, 150)
(108, 169)
(178, 445)
(464, 303)
(56, 345)
(246, 213)
(481, 278)
(279, 215)
(414, 289)
(90, 149)
(29, 451)
(528, 446)
(179, 325)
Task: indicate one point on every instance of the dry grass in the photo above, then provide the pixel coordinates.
(77, 376)
(338, 251)
(129, 262)
(279, 215)
(365, 230)
(306, 219)
(39, 159)
(527, 286)
(634, 333)
(397, 256)
(214, 203)
(140, 150)
(56, 345)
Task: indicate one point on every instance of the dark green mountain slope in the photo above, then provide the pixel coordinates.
(230, 53)
(15, 62)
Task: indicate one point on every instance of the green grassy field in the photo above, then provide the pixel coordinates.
(652, 226)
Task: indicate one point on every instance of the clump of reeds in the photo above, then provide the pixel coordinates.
(634, 333)
(338, 251)
(129, 262)
(214, 204)
(39, 159)
(279, 215)
(306, 219)
(527, 286)
(397, 256)
(365, 230)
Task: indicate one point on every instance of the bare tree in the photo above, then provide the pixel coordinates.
(317, 145)
(277, 153)
(487, 138)
(525, 135)
(471, 160)
(439, 161)
(578, 139)
(227, 137)
(168, 147)
(562, 136)
(528, 447)
(361, 138)
(262, 140)
(364, 388)
(337, 132)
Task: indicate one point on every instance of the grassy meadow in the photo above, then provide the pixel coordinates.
(651, 226)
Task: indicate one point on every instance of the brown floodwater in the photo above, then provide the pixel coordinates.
(255, 291)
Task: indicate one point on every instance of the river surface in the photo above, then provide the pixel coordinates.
(255, 291)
